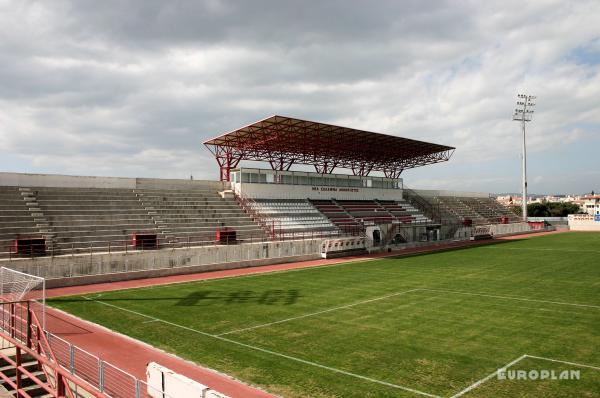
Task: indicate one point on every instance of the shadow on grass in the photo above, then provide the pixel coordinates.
(204, 297)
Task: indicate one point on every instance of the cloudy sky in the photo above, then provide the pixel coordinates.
(132, 88)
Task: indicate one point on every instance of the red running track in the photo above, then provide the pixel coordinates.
(132, 355)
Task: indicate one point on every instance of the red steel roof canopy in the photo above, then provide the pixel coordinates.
(284, 141)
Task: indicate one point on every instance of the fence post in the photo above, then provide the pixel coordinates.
(28, 326)
(101, 375)
(12, 317)
(72, 358)
(138, 388)
(38, 335)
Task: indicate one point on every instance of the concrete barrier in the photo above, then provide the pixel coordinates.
(110, 267)
(584, 222)
(165, 383)
(66, 181)
(509, 229)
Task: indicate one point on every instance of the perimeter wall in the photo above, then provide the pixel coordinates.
(460, 194)
(109, 267)
(65, 181)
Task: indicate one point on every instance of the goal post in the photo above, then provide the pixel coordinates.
(19, 286)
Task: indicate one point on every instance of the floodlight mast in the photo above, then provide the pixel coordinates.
(524, 113)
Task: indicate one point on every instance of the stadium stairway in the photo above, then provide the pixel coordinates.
(18, 219)
(28, 385)
(192, 216)
(94, 219)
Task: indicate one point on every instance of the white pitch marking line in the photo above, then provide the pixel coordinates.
(481, 381)
(318, 365)
(580, 365)
(541, 249)
(318, 312)
(151, 320)
(511, 298)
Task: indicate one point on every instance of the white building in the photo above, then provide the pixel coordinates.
(590, 204)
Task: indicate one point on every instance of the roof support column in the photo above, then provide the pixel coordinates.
(392, 172)
(227, 159)
(361, 169)
(325, 167)
(281, 164)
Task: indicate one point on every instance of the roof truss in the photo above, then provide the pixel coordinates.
(284, 141)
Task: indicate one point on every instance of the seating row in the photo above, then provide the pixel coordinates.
(84, 219)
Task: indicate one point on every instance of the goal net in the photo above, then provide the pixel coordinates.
(19, 286)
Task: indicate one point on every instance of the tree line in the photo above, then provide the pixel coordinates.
(549, 209)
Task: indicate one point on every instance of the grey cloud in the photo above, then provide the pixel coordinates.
(134, 87)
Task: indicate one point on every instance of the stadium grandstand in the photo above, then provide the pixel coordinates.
(60, 232)
(62, 215)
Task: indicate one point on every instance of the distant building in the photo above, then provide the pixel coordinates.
(510, 200)
(590, 204)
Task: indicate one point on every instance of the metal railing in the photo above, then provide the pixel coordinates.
(125, 246)
(107, 378)
(249, 206)
(429, 210)
(21, 330)
(69, 370)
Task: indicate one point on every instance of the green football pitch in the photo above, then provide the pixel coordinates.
(438, 324)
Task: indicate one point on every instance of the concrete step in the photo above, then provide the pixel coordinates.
(102, 232)
(10, 209)
(62, 230)
(85, 208)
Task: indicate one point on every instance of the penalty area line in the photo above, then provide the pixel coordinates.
(579, 365)
(486, 378)
(511, 298)
(341, 307)
(267, 351)
(508, 365)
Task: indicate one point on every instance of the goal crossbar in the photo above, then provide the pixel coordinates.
(18, 286)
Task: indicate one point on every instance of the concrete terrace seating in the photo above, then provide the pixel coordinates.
(81, 220)
(16, 220)
(294, 217)
(194, 215)
(84, 219)
(479, 210)
(491, 209)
